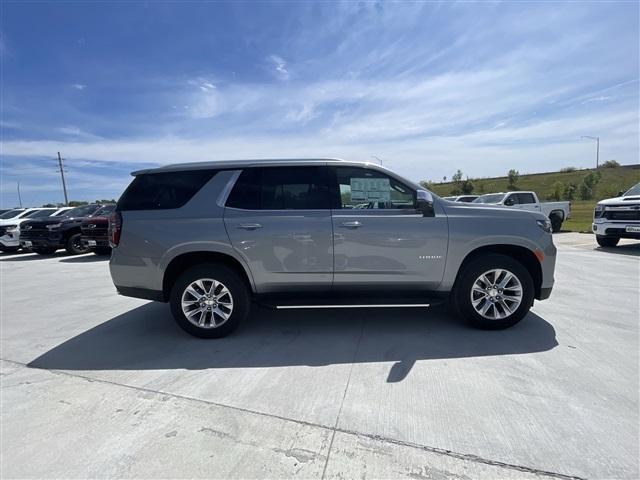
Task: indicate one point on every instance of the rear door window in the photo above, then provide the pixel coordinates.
(161, 191)
(281, 188)
(526, 198)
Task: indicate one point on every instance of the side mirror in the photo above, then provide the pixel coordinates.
(620, 193)
(509, 202)
(424, 203)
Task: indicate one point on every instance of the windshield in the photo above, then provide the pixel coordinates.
(80, 211)
(11, 213)
(105, 211)
(40, 213)
(635, 190)
(491, 198)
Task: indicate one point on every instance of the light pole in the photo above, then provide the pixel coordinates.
(19, 196)
(597, 139)
(377, 158)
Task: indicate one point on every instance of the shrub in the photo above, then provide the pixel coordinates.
(513, 176)
(610, 164)
(567, 169)
(569, 192)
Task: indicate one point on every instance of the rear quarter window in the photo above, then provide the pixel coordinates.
(162, 191)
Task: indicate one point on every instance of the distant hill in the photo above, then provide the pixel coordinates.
(611, 182)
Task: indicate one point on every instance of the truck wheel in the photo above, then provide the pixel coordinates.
(74, 245)
(493, 292)
(209, 301)
(605, 241)
(44, 250)
(556, 223)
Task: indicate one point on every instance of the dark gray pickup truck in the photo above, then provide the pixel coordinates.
(210, 237)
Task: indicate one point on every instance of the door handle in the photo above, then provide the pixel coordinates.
(355, 224)
(249, 226)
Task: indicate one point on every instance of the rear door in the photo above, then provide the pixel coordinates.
(381, 241)
(526, 201)
(279, 220)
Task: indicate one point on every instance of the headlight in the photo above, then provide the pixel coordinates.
(598, 211)
(53, 226)
(544, 225)
(10, 228)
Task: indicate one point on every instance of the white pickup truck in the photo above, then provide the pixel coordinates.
(557, 212)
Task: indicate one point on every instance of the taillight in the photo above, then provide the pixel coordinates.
(115, 227)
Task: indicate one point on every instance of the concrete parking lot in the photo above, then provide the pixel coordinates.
(98, 385)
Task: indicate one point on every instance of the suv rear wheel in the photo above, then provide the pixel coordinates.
(604, 241)
(493, 292)
(209, 301)
(74, 245)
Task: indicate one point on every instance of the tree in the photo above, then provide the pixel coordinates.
(588, 185)
(466, 187)
(567, 169)
(428, 184)
(444, 179)
(569, 192)
(457, 177)
(558, 188)
(77, 203)
(513, 176)
(610, 164)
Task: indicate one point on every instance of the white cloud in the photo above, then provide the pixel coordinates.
(78, 86)
(281, 71)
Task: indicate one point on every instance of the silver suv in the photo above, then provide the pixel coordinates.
(210, 237)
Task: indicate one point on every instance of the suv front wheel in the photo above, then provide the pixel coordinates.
(209, 301)
(494, 292)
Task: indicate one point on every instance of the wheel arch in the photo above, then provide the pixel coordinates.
(558, 212)
(184, 261)
(521, 254)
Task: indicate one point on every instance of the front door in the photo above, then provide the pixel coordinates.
(381, 241)
(278, 219)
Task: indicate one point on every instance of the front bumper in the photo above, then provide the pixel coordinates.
(615, 229)
(95, 241)
(53, 240)
(9, 241)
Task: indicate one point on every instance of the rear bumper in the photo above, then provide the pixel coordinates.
(615, 229)
(144, 293)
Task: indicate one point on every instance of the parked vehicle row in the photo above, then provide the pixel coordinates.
(45, 230)
(46, 235)
(616, 218)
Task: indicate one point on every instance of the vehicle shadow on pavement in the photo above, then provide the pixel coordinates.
(632, 249)
(146, 338)
(88, 258)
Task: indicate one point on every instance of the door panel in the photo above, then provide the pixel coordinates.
(284, 248)
(279, 220)
(380, 240)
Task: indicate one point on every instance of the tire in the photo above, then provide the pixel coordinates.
(471, 274)
(238, 296)
(44, 250)
(605, 241)
(556, 223)
(102, 251)
(9, 249)
(74, 245)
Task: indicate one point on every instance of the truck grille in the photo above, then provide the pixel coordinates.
(34, 233)
(624, 215)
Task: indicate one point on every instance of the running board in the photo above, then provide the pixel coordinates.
(329, 303)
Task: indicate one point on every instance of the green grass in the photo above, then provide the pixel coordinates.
(611, 182)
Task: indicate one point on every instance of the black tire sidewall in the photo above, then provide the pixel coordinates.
(469, 275)
(70, 248)
(221, 273)
(556, 223)
(605, 241)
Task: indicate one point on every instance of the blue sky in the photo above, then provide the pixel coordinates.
(427, 87)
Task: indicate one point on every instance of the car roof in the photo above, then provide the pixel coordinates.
(230, 164)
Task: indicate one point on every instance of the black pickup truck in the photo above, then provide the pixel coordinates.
(47, 235)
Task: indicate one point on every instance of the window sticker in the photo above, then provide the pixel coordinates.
(370, 190)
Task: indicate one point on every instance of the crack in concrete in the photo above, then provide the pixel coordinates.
(436, 450)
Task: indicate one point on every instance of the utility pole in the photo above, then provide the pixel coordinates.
(64, 185)
(19, 196)
(597, 139)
